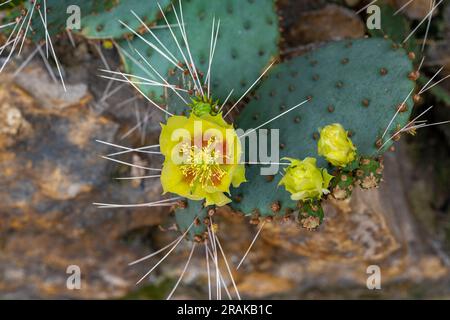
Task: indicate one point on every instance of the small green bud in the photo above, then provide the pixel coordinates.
(369, 173)
(202, 106)
(342, 186)
(310, 214)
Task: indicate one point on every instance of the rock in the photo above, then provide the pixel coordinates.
(375, 227)
(331, 22)
(417, 9)
(52, 94)
(352, 3)
(258, 285)
(13, 126)
(57, 153)
(52, 173)
(361, 234)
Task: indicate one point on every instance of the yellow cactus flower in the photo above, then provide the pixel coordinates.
(335, 145)
(304, 180)
(201, 158)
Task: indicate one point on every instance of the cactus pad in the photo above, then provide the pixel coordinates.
(247, 40)
(359, 84)
(106, 24)
(57, 14)
(99, 19)
(186, 214)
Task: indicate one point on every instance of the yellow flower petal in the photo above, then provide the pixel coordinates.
(304, 180)
(239, 176)
(202, 173)
(165, 139)
(217, 198)
(335, 145)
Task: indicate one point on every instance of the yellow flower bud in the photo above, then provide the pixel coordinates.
(107, 44)
(201, 158)
(304, 180)
(335, 145)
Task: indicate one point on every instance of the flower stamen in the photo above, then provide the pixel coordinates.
(202, 164)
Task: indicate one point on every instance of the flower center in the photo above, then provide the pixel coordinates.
(202, 164)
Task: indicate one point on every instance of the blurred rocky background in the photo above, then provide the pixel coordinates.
(51, 173)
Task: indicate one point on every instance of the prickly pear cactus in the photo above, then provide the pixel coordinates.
(247, 40)
(359, 84)
(98, 19)
(176, 101)
(55, 13)
(342, 185)
(310, 214)
(369, 173)
(396, 27)
(106, 23)
(189, 211)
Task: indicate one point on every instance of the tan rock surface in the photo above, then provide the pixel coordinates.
(331, 22)
(417, 9)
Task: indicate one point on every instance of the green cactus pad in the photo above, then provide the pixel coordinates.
(57, 14)
(179, 104)
(99, 19)
(396, 27)
(185, 216)
(106, 24)
(358, 84)
(247, 41)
